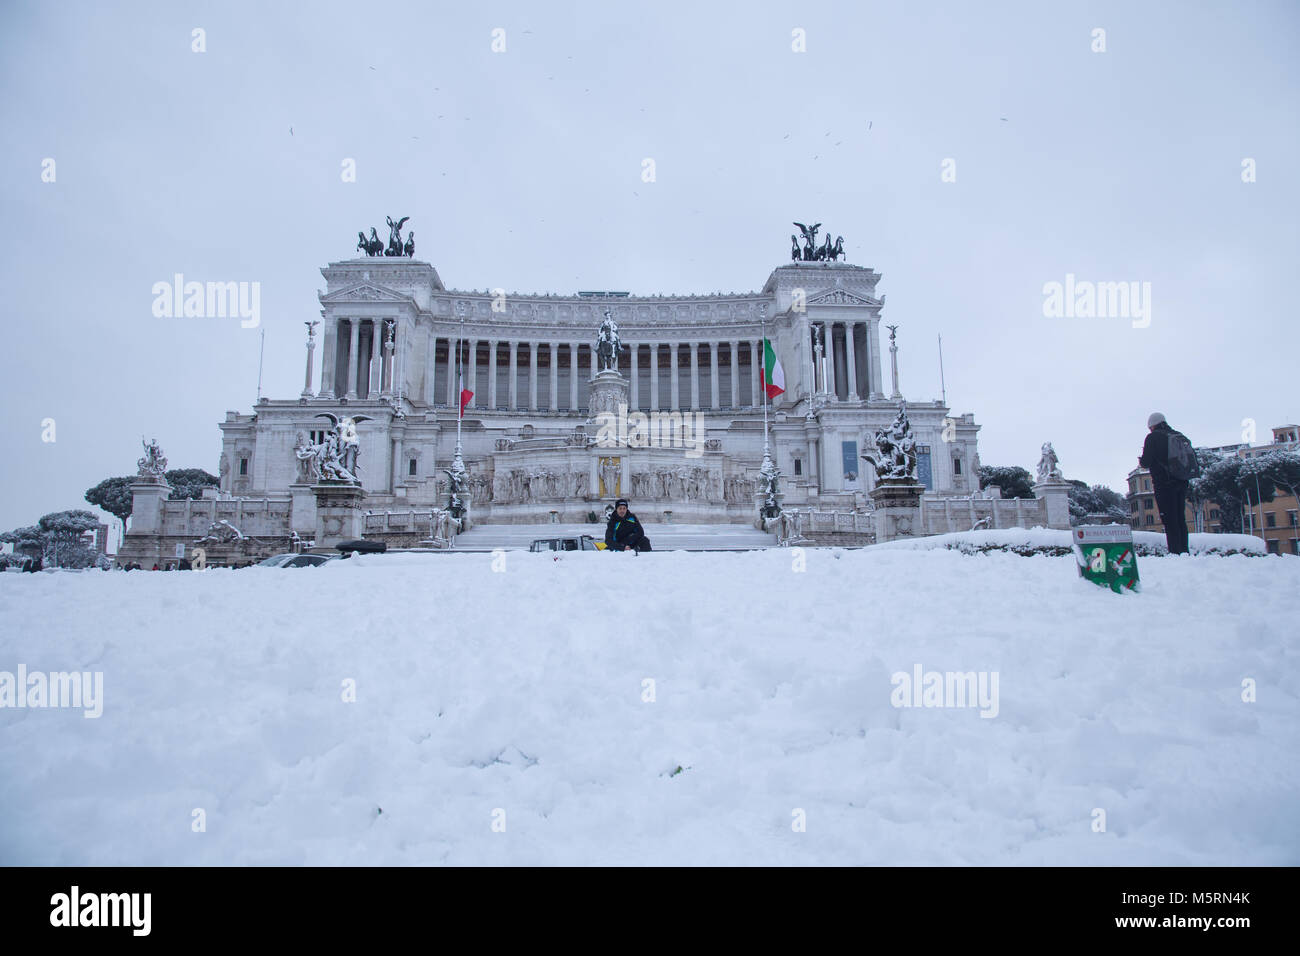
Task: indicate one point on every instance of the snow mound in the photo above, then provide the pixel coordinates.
(402, 709)
(1054, 541)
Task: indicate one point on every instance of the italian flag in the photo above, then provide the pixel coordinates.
(773, 374)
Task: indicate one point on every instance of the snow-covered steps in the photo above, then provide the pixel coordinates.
(663, 537)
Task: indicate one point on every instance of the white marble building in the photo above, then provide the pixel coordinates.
(388, 348)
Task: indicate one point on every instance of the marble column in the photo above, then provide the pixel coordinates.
(311, 352)
(331, 347)
(555, 377)
(453, 344)
(354, 336)
(735, 374)
(430, 363)
(376, 336)
(514, 375)
(635, 401)
(831, 386)
(395, 473)
(713, 375)
(387, 359)
(695, 375)
(573, 376)
(492, 374)
(873, 356)
(654, 376)
(674, 389)
(532, 376)
(755, 368)
(850, 360)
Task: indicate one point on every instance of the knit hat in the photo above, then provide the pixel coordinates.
(621, 501)
(1155, 419)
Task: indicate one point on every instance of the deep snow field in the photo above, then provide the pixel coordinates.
(521, 690)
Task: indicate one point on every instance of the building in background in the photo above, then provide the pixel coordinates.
(1277, 522)
(388, 353)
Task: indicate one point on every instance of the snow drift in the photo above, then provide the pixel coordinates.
(559, 698)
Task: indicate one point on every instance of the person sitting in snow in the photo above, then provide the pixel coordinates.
(624, 533)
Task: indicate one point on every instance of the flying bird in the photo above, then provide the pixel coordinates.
(290, 130)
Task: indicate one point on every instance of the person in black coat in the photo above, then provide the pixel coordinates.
(624, 532)
(1171, 493)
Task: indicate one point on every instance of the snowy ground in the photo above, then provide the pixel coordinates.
(521, 690)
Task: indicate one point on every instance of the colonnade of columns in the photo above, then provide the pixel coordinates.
(677, 364)
(357, 361)
(356, 364)
(847, 370)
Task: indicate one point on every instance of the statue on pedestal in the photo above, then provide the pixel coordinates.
(895, 456)
(153, 466)
(608, 344)
(1049, 468)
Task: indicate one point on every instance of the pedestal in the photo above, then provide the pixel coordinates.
(1057, 496)
(302, 514)
(898, 509)
(338, 513)
(609, 395)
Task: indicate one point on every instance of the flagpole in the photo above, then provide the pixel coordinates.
(460, 375)
(762, 328)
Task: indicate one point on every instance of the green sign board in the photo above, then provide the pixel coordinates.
(1105, 555)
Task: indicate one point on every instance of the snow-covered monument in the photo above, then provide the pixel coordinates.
(682, 384)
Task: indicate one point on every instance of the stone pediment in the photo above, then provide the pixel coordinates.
(367, 292)
(841, 297)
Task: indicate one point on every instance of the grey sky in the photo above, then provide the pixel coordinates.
(522, 170)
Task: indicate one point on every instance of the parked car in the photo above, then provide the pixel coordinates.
(583, 542)
(295, 560)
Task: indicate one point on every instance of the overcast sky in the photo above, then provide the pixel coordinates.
(522, 169)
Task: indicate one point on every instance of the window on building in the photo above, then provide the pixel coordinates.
(1295, 545)
(1135, 522)
(1133, 506)
(1146, 504)
(1273, 544)
(798, 466)
(410, 467)
(1150, 519)
(956, 466)
(1270, 519)
(1146, 484)
(1293, 518)
(243, 466)
(1214, 514)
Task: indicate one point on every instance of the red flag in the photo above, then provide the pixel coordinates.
(465, 396)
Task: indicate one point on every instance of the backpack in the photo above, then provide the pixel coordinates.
(1182, 463)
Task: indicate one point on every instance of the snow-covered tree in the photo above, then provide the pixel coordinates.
(1219, 482)
(1014, 481)
(114, 496)
(1096, 500)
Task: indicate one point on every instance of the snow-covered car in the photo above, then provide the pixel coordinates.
(295, 560)
(583, 542)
